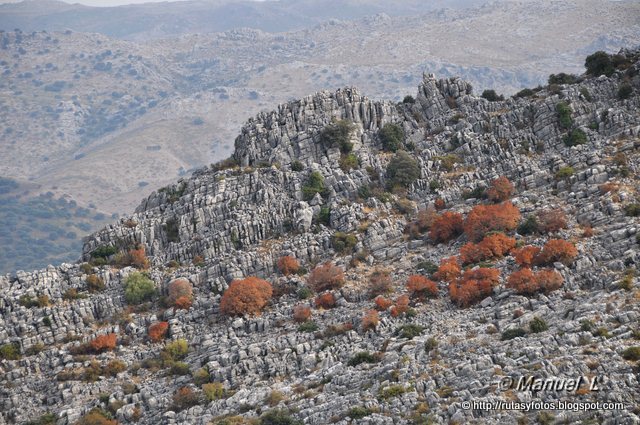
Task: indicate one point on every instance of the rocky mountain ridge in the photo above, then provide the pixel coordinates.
(298, 186)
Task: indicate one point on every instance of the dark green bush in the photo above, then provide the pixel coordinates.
(408, 99)
(297, 166)
(409, 331)
(599, 63)
(564, 115)
(428, 267)
(631, 353)
(343, 243)
(430, 344)
(492, 96)
(563, 78)
(315, 184)
(349, 162)
(538, 325)
(528, 226)
(513, 333)
(324, 216)
(337, 134)
(104, 252)
(565, 173)
(625, 90)
(403, 170)
(172, 231)
(278, 417)
(308, 326)
(632, 210)
(358, 412)
(46, 419)
(391, 392)
(392, 137)
(575, 137)
(525, 93)
(362, 357)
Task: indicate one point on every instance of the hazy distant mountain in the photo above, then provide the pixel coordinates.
(157, 20)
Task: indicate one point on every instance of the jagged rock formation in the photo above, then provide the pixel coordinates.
(236, 221)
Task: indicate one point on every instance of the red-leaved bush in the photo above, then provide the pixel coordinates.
(446, 226)
(449, 270)
(326, 277)
(483, 219)
(557, 250)
(421, 287)
(158, 331)
(246, 296)
(525, 282)
(288, 265)
(496, 245)
(370, 320)
(473, 286)
(401, 306)
(180, 294)
(103, 343)
(326, 300)
(500, 189)
(382, 303)
(550, 221)
(301, 313)
(525, 256)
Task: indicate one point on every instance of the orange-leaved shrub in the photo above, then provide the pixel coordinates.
(288, 265)
(483, 219)
(103, 343)
(526, 256)
(557, 250)
(421, 287)
(446, 226)
(475, 285)
(449, 270)
(500, 189)
(246, 296)
(326, 277)
(158, 331)
(326, 300)
(380, 283)
(382, 303)
(137, 258)
(401, 306)
(439, 204)
(495, 245)
(525, 282)
(301, 313)
(180, 294)
(370, 320)
(95, 416)
(550, 221)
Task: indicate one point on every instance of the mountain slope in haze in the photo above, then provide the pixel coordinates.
(170, 19)
(535, 196)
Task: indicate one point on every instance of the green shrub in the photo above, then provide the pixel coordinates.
(631, 353)
(392, 137)
(362, 357)
(430, 344)
(213, 391)
(324, 216)
(180, 369)
(403, 170)
(599, 63)
(349, 162)
(358, 412)
(315, 184)
(337, 134)
(513, 333)
(172, 230)
(625, 90)
(632, 210)
(364, 192)
(563, 78)
(586, 325)
(343, 243)
(104, 252)
(278, 417)
(46, 419)
(297, 166)
(565, 173)
(525, 93)
(139, 288)
(491, 96)
(575, 137)
(428, 267)
(308, 326)
(564, 115)
(585, 93)
(538, 325)
(35, 349)
(305, 293)
(10, 351)
(409, 331)
(408, 99)
(391, 392)
(528, 226)
(175, 350)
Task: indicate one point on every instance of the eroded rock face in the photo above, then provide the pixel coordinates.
(239, 221)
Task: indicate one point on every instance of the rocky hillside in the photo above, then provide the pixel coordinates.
(417, 257)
